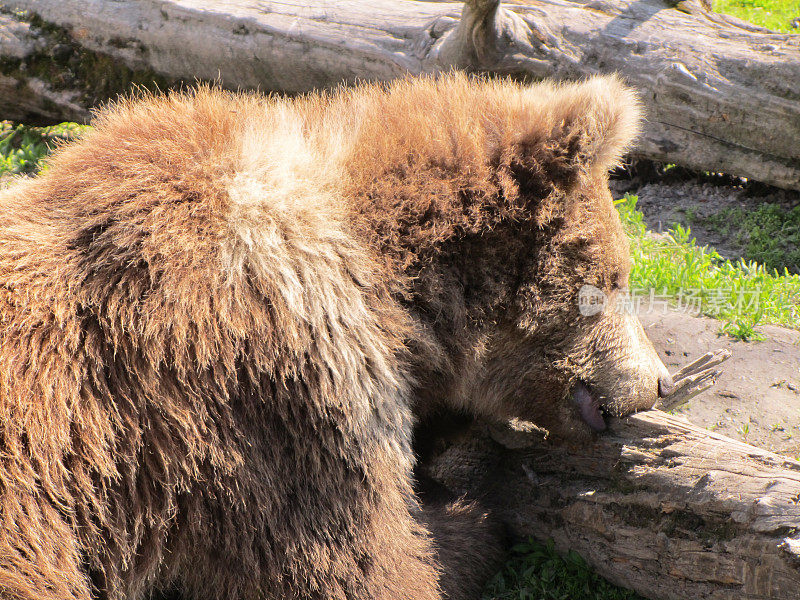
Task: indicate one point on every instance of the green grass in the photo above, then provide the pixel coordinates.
(773, 14)
(768, 234)
(537, 572)
(741, 294)
(22, 148)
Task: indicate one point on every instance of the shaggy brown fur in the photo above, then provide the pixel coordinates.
(468, 546)
(218, 310)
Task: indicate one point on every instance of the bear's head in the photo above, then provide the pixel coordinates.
(489, 202)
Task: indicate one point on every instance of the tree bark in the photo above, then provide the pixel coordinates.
(657, 505)
(720, 94)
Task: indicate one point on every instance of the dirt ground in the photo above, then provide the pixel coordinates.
(757, 398)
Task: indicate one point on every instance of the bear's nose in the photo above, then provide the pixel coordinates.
(665, 386)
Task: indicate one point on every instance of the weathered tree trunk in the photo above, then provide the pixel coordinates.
(657, 505)
(720, 94)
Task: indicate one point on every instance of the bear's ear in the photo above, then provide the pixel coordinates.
(608, 114)
(579, 128)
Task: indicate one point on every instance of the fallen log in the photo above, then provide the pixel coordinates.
(656, 505)
(720, 94)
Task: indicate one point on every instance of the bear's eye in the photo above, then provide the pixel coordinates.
(615, 282)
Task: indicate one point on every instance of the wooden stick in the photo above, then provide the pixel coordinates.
(694, 379)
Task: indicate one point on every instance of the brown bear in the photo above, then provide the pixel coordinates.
(220, 313)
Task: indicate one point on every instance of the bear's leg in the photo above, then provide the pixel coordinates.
(470, 543)
(374, 549)
(411, 560)
(391, 558)
(384, 573)
(469, 546)
(39, 554)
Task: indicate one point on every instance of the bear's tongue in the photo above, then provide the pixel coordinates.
(589, 407)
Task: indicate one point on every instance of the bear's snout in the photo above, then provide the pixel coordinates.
(620, 364)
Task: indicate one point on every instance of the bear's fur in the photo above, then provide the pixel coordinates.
(219, 311)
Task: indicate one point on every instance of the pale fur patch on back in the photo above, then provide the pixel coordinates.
(286, 231)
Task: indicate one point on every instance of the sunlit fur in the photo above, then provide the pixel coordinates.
(219, 310)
